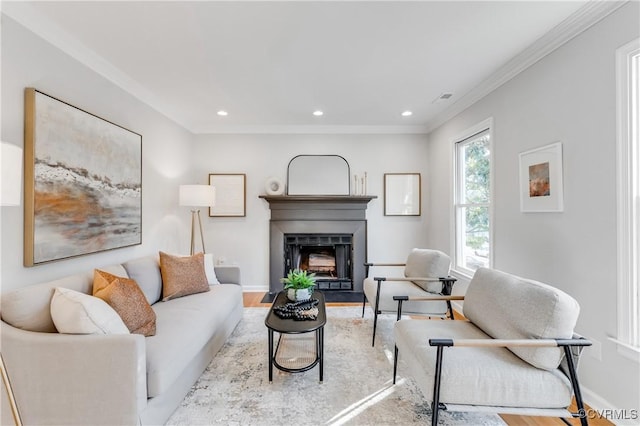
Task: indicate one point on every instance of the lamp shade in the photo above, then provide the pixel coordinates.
(197, 195)
(10, 174)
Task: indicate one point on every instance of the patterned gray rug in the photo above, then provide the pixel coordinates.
(357, 387)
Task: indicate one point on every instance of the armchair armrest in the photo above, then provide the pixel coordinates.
(430, 279)
(509, 342)
(76, 379)
(446, 298)
(384, 264)
(367, 265)
(427, 298)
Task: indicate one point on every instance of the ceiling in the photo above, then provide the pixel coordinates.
(270, 65)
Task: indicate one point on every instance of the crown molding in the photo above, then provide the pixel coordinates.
(312, 129)
(575, 24)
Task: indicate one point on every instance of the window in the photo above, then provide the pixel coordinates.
(628, 184)
(473, 201)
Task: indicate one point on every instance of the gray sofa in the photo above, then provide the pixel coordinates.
(116, 379)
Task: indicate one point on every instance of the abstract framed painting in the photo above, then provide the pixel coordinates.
(83, 182)
(541, 187)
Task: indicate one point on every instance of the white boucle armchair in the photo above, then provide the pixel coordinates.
(426, 272)
(516, 351)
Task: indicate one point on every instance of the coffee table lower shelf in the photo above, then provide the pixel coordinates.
(296, 353)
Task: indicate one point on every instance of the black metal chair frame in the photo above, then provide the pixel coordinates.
(440, 344)
(447, 286)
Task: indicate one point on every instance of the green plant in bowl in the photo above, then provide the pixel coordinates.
(299, 284)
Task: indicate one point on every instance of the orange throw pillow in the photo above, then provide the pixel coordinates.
(127, 299)
(182, 275)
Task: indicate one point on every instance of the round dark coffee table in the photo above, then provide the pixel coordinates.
(296, 351)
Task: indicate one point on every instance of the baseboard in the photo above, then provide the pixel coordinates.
(617, 416)
(254, 288)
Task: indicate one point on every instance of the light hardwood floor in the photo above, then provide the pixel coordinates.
(253, 299)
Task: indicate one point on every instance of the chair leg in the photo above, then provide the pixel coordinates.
(375, 315)
(450, 308)
(436, 387)
(375, 323)
(395, 363)
(576, 386)
(364, 301)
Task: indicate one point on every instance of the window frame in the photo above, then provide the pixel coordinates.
(481, 127)
(628, 199)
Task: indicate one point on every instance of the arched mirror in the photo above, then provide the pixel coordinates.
(318, 175)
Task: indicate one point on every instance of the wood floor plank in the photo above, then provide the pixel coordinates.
(253, 299)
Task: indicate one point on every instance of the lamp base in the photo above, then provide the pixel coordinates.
(194, 213)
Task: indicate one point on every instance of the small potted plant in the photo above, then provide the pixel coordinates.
(299, 284)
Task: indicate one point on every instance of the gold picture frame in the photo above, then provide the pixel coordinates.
(231, 194)
(82, 182)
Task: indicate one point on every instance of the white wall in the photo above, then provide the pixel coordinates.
(245, 241)
(569, 96)
(29, 61)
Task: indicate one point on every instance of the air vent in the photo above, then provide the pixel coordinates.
(442, 97)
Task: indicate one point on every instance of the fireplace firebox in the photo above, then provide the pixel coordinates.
(328, 256)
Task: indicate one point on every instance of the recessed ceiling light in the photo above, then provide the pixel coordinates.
(318, 113)
(407, 113)
(223, 113)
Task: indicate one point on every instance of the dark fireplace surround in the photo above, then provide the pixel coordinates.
(324, 225)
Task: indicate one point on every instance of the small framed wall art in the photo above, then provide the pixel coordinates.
(231, 194)
(541, 187)
(402, 194)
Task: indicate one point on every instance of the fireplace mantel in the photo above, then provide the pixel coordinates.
(318, 207)
(318, 198)
(311, 214)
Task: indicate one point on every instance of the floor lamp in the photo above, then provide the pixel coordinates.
(197, 196)
(10, 185)
(7, 385)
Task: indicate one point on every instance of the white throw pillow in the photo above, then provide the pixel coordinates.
(79, 313)
(209, 269)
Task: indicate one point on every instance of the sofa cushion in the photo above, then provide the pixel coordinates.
(495, 377)
(209, 269)
(29, 308)
(79, 313)
(427, 263)
(186, 325)
(146, 272)
(182, 275)
(509, 307)
(124, 295)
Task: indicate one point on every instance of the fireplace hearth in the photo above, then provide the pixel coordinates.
(326, 235)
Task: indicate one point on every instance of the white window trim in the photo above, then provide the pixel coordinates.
(628, 193)
(478, 128)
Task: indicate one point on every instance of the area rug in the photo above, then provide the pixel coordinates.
(357, 387)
